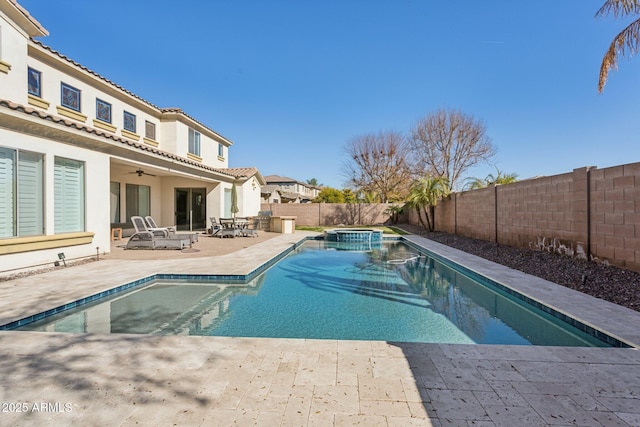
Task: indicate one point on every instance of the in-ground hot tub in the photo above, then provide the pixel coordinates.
(353, 235)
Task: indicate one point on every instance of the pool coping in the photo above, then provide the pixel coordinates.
(527, 288)
(618, 322)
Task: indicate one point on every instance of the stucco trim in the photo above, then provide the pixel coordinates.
(35, 243)
(151, 142)
(103, 125)
(5, 67)
(64, 111)
(38, 102)
(194, 157)
(130, 135)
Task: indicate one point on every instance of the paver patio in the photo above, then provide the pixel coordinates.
(95, 379)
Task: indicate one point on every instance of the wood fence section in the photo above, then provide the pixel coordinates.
(588, 212)
(314, 214)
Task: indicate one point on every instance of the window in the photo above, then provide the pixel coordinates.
(70, 97)
(115, 202)
(129, 122)
(103, 111)
(194, 142)
(21, 183)
(138, 200)
(68, 194)
(33, 77)
(220, 150)
(149, 130)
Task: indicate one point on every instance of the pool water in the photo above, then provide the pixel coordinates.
(389, 292)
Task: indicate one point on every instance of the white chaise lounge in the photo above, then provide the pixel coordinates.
(155, 238)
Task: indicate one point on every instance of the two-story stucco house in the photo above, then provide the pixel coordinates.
(292, 191)
(80, 155)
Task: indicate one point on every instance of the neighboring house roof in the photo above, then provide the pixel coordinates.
(270, 188)
(278, 179)
(136, 145)
(172, 110)
(292, 196)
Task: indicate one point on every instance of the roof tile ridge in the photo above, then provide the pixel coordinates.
(71, 123)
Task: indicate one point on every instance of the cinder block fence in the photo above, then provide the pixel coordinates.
(588, 212)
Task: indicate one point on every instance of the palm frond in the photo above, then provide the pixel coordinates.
(626, 42)
(619, 8)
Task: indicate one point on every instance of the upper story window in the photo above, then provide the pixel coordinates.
(149, 130)
(194, 142)
(220, 150)
(70, 97)
(129, 122)
(103, 111)
(34, 82)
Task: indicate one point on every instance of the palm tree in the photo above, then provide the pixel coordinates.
(491, 179)
(424, 196)
(627, 41)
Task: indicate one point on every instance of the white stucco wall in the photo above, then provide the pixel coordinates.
(96, 168)
(249, 198)
(13, 51)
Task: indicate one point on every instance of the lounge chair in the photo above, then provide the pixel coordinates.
(215, 226)
(171, 230)
(153, 226)
(159, 238)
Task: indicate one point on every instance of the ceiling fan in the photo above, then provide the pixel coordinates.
(140, 172)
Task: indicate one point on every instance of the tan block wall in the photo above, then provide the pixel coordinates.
(615, 215)
(596, 209)
(534, 208)
(314, 214)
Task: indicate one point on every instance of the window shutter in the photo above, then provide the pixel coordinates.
(69, 195)
(7, 189)
(30, 208)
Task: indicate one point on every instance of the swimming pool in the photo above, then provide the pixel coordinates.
(391, 292)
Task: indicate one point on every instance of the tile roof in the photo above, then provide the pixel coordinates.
(242, 172)
(29, 18)
(278, 178)
(269, 188)
(107, 135)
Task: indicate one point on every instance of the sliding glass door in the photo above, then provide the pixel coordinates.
(191, 208)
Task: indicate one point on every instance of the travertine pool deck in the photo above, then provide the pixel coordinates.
(95, 379)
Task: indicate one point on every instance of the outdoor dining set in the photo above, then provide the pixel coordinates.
(234, 227)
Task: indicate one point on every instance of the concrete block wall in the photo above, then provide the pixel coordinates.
(590, 209)
(615, 215)
(315, 214)
(474, 213)
(534, 208)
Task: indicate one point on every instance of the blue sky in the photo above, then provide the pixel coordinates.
(289, 82)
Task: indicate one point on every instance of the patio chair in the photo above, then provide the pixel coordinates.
(152, 225)
(141, 226)
(228, 228)
(171, 230)
(215, 226)
(251, 228)
(159, 238)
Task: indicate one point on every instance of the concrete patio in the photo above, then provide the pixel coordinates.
(94, 379)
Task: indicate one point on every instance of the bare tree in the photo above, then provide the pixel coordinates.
(378, 163)
(626, 42)
(448, 142)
